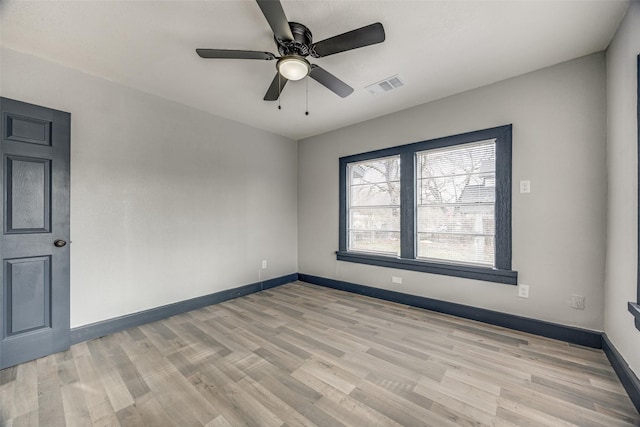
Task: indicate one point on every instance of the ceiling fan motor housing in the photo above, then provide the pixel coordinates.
(301, 43)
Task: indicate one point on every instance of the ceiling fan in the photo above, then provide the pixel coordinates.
(295, 43)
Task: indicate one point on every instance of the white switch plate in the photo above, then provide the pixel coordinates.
(264, 263)
(525, 186)
(396, 279)
(523, 291)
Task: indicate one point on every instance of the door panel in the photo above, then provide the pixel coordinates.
(28, 185)
(34, 298)
(28, 291)
(28, 129)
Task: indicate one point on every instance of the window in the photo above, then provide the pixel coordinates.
(456, 190)
(440, 206)
(374, 206)
(634, 308)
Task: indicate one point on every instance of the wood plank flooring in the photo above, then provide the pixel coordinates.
(301, 355)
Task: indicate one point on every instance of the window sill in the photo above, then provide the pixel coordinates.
(487, 274)
(635, 310)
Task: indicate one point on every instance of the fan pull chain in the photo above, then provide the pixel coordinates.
(306, 113)
(279, 86)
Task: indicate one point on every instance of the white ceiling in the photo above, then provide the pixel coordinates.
(438, 48)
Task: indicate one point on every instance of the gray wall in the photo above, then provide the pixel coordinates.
(167, 202)
(559, 131)
(622, 141)
(170, 203)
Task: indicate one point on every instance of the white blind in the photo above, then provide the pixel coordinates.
(455, 193)
(374, 206)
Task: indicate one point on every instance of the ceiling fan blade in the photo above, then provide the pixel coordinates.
(365, 36)
(330, 81)
(273, 93)
(234, 54)
(272, 11)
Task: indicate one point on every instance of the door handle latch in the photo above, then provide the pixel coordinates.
(59, 243)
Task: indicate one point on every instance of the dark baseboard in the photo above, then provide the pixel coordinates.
(110, 326)
(524, 324)
(628, 379)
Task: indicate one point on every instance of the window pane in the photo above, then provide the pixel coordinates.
(468, 188)
(456, 247)
(374, 206)
(386, 169)
(458, 159)
(384, 242)
(456, 203)
(385, 193)
(387, 219)
(466, 219)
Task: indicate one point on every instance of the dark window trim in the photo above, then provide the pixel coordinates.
(502, 273)
(635, 308)
(467, 271)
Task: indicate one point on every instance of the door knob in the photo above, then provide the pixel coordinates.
(59, 243)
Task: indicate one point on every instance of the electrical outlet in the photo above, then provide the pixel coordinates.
(264, 263)
(396, 279)
(525, 186)
(577, 302)
(523, 291)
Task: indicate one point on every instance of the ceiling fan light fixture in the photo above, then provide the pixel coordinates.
(293, 67)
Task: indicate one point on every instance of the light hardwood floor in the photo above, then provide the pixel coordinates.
(304, 355)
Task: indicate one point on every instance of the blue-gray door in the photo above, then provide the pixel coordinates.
(34, 250)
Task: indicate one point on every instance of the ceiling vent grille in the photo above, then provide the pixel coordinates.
(384, 86)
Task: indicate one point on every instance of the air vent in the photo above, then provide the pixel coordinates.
(386, 85)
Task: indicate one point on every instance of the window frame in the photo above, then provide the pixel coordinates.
(501, 273)
(634, 308)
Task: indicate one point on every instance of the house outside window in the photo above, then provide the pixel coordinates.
(441, 206)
